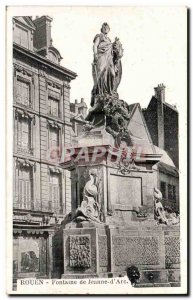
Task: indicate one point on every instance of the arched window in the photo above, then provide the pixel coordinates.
(52, 56)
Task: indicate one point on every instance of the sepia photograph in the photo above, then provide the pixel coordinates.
(96, 113)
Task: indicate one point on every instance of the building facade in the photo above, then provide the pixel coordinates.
(167, 175)
(41, 119)
(162, 122)
(78, 113)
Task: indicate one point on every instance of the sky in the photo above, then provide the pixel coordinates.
(154, 43)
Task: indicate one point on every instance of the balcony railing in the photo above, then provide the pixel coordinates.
(41, 206)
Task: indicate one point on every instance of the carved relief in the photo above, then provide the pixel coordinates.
(172, 248)
(136, 250)
(23, 71)
(80, 251)
(103, 258)
(90, 208)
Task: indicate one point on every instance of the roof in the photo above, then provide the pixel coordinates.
(168, 169)
(43, 60)
(80, 104)
(77, 117)
(52, 48)
(164, 103)
(27, 21)
(136, 137)
(165, 157)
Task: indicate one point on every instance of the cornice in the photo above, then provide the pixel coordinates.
(70, 75)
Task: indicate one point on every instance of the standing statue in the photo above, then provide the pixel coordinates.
(106, 67)
(107, 110)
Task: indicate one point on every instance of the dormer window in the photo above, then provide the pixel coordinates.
(52, 56)
(23, 30)
(21, 36)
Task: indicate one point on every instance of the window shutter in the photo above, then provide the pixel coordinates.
(19, 133)
(19, 91)
(21, 192)
(24, 38)
(25, 188)
(16, 35)
(54, 134)
(53, 102)
(25, 93)
(28, 200)
(25, 134)
(55, 191)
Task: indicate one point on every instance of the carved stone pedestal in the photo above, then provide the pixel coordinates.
(118, 199)
(95, 250)
(85, 250)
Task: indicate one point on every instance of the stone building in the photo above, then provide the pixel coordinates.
(167, 173)
(41, 119)
(162, 122)
(78, 113)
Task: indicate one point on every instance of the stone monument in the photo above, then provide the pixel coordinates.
(117, 221)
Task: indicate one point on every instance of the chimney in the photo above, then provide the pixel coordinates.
(160, 96)
(76, 106)
(160, 92)
(42, 34)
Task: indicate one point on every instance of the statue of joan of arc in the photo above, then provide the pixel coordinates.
(106, 67)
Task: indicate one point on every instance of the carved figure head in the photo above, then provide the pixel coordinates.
(93, 172)
(157, 195)
(105, 28)
(133, 274)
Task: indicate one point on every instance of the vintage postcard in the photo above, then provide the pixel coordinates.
(96, 150)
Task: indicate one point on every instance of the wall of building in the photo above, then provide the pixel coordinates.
(171, 133)
(150, 115)
(162, 122)
(39, 121)
(172, 202)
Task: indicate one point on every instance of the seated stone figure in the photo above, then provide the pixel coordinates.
(89, 208)
(159, 210)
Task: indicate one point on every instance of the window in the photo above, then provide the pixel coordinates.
(24, 135)
(21, 36)
(52, 57)
(23, 92)
(80, 110)
(79, 129)
(53, 102)
(163, 189)
(171, 192)
(55, 192)
(54, 137)
(25, 187)
(174, 192)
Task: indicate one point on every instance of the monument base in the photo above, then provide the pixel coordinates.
(105, 251)
(96, 137)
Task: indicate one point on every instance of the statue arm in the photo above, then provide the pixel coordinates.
(95, 46)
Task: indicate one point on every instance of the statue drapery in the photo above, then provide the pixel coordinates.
(106, 67)
(106, 107)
